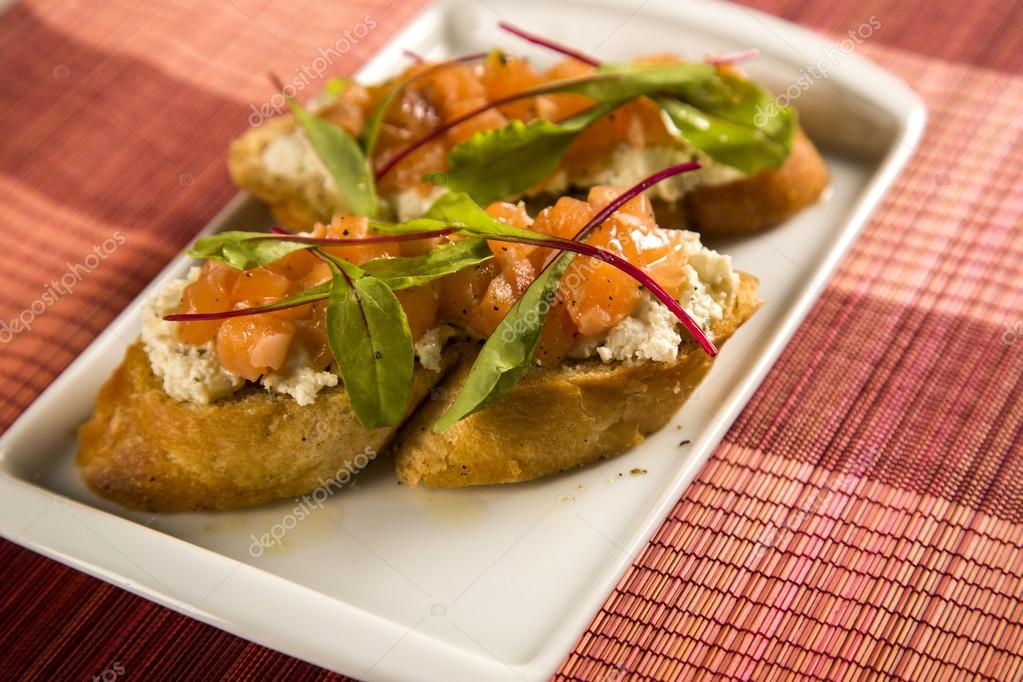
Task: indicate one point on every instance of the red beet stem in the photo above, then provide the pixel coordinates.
(414, 56)
(549, 44)
(636, 189)
(581, 248)
(225, 314)
(629, 269)
(734, 57)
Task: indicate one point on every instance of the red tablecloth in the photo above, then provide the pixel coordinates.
(881, 459)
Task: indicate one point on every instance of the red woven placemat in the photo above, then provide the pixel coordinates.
(864, 514)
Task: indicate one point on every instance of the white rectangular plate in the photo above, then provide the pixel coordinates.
(384, 582)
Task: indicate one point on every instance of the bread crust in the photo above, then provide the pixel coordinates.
(555, 420)
(758, 201)
(147, 451)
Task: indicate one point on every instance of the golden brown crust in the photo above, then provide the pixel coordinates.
(147, 451)
(761, 200)
(554, 420)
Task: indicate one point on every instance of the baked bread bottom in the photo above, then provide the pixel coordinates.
(556, 419)
(148, 451)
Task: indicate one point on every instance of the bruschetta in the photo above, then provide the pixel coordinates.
(286, 358)
(440, 125)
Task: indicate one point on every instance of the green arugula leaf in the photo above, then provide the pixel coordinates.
(344, 160)
(371, 129)
(457, 210)
(401, 273)
(731, 119)
(243, 250)
(369, 337)
(736, 123)
(503, 162)
(508, 352)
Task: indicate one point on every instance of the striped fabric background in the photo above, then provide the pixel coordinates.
(865, 513)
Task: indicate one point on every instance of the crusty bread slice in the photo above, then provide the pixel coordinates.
(747, 205)
(555, 419)
(147, 451)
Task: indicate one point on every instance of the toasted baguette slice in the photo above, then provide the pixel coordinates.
(555, 419)
(147, 451)
(747, 205)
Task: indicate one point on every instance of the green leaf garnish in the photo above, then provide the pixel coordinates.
(730, 123)
(243, 250)
(453, 210)
(729, 118)
(506, 355)
(371, 130)
(401, 273)
(501, 163)
(344, 160)
(369, 337)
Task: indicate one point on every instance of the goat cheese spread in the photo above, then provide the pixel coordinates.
(629, 165)
(189, 372)
(652, 332)
(292, 156)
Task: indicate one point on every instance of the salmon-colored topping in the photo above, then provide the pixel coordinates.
(432, 99)
(254, 345)
(593, 296)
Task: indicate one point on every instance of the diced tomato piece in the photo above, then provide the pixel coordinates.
(420, 306)
(211, 293)
(259, 286)
(254, 345)
(353, 227)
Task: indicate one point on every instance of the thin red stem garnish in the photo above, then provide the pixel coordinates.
(275, 80)
(549, 44)
(605, 213)
(241, 312)
(356, 241)
(575, 245)
(629, 269)
(556, 243)
(734, 57)
(414, 56)
(472, 57)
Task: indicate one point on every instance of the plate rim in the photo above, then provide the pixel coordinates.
(908, 113)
